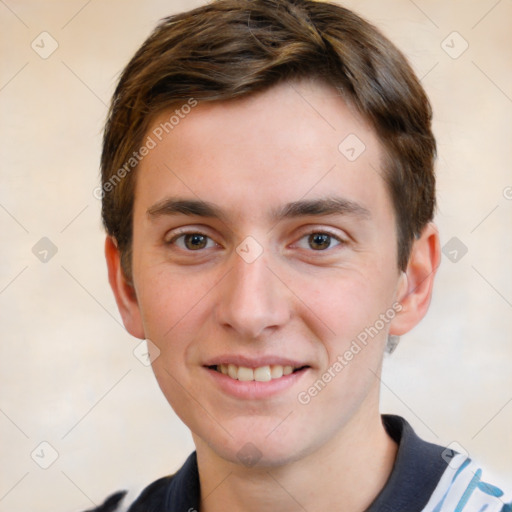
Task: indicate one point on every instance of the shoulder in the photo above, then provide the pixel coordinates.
(431, 478)
(152, 498)
(462, 488)
(177, 492)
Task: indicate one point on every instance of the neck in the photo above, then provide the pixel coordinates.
(346, 473)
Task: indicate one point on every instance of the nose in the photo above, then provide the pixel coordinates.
(253, 300)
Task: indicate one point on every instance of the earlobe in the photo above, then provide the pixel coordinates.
(124, 292)
(415, 289)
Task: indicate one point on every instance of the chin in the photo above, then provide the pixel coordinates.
(258, 456)
(254, 445)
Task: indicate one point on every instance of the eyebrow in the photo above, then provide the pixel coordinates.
(171, 206)
(319, 207)
(302, 208)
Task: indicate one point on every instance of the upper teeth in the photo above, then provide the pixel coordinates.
(260, 374)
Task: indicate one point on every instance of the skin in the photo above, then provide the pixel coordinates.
(300, 300)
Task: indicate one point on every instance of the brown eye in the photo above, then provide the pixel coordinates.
(319, 241)
(194, 241)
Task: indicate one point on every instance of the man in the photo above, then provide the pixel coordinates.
(269, 191)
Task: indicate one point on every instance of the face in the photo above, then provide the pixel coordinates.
(263, 251)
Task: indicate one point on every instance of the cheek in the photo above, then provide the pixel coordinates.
(169, 301)
(171, 313)
(346, 304)
(354, 337)
(353, 310)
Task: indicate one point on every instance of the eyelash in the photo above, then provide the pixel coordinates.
(182, 234)
(341, 241)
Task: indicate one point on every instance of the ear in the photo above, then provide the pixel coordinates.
(415, 288)
(124, 292)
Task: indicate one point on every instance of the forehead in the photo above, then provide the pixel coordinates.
(294, 140)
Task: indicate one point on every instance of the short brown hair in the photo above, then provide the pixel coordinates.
(234, 48)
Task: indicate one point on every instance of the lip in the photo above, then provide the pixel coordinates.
(254, 390)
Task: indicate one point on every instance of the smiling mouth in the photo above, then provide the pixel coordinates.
(260, 374)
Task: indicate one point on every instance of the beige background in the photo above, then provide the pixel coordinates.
(68, 373)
